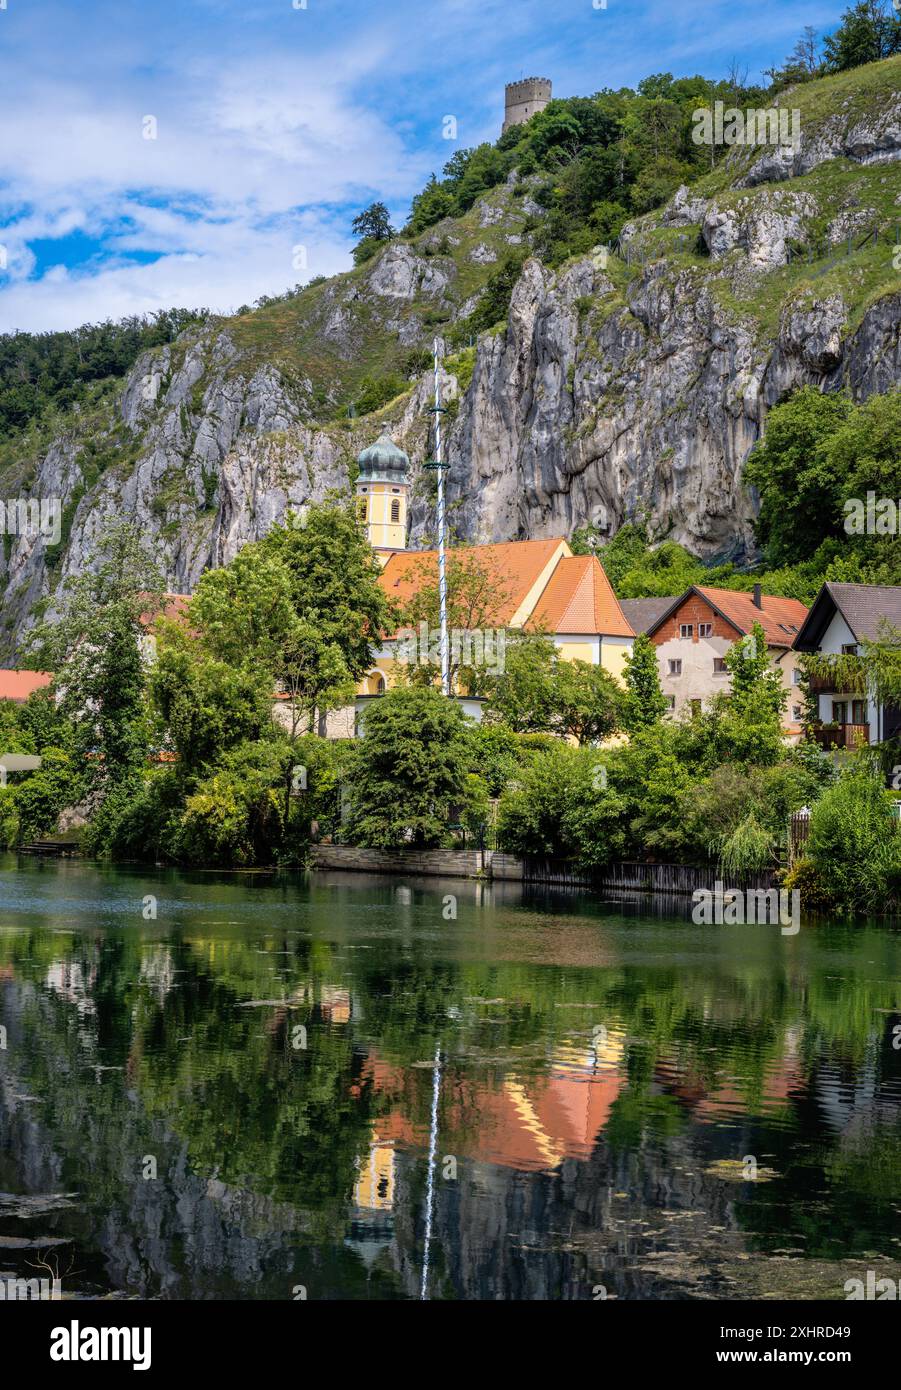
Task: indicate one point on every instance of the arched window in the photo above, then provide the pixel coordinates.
(395, 509)
(380, 686)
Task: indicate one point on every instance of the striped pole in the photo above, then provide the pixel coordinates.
(442, 572)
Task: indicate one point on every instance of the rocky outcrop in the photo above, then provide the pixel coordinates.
(603, 397)
(649, 409)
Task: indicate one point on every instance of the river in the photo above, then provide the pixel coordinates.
(267, 1085)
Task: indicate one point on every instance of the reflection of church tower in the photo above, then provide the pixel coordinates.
(383, 488)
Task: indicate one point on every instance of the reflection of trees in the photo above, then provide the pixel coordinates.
(254, 1135)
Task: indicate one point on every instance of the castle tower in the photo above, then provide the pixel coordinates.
(383, 490)
(523, 99)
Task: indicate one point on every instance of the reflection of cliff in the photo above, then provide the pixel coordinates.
(573, 1166)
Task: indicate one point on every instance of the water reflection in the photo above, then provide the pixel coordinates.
(241, 1098)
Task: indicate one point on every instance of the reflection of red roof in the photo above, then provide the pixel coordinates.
(531, 1122)
(18, 685)
(578, 598)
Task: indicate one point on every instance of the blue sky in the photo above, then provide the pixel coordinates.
(275, 123)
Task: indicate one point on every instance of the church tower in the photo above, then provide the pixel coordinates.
(383, 490)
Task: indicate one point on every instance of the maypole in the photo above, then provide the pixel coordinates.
(436, 463)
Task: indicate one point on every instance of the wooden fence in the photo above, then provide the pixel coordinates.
(626, 877)
(634, 877)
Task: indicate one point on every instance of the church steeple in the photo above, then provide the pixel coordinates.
(382, 490)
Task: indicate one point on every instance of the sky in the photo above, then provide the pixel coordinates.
(202, 153)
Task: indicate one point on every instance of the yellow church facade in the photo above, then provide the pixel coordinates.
(540, 586)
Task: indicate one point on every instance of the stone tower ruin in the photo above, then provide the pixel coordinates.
(523, 99)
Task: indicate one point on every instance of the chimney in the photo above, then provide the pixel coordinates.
(758, 596)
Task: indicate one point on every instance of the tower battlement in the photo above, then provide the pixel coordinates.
(524, 98)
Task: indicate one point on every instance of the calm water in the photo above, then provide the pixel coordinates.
(342, 1092)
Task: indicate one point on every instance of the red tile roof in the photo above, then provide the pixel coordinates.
(514, 565)
(18, 685)
(579, 598)
(780, 618)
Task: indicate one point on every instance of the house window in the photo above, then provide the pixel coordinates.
(675, 668)
(839, 711)
(796, 676)
(719, 666)
(395, 509)
(671, 702)
(380, 686)
(686, 630)
(705, 629)
(858, 711)
(849, 649)
(797, 713)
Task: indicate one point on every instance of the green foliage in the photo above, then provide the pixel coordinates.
(747, 850)
(645, 703)
(561, 807)
(208, 706)
(94, 648)
(41, 795)
(375, 392)
(523, 697)
(235, 816)
(800, 489)
(334, 579)
(638, 569)
(373, 222)
(43, 371)
(411, 768)
(870, 30)
(493, 302)
(854, 846)
(588, 702)
(819, 458)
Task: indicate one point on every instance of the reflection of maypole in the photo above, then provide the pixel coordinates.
(438, 410)
(430, 1185)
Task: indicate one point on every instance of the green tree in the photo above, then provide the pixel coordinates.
(854, 845)
(334, 580)
(748, 720)
(373, 222)
(523, 697)
(587, 701)
(800, 485)
(94, 646)
(412, 767)
(869, 31)
(562, 807)
(645, 703)
(208, 706)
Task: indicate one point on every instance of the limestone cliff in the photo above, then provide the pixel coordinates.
(627, 382)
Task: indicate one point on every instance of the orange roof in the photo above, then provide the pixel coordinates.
(18, 685)
(516, 566)
(780, 618)
(173, 606)
(579, 598)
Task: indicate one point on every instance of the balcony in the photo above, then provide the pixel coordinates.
(842, 735)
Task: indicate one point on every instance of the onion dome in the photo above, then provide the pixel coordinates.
(383, 462)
